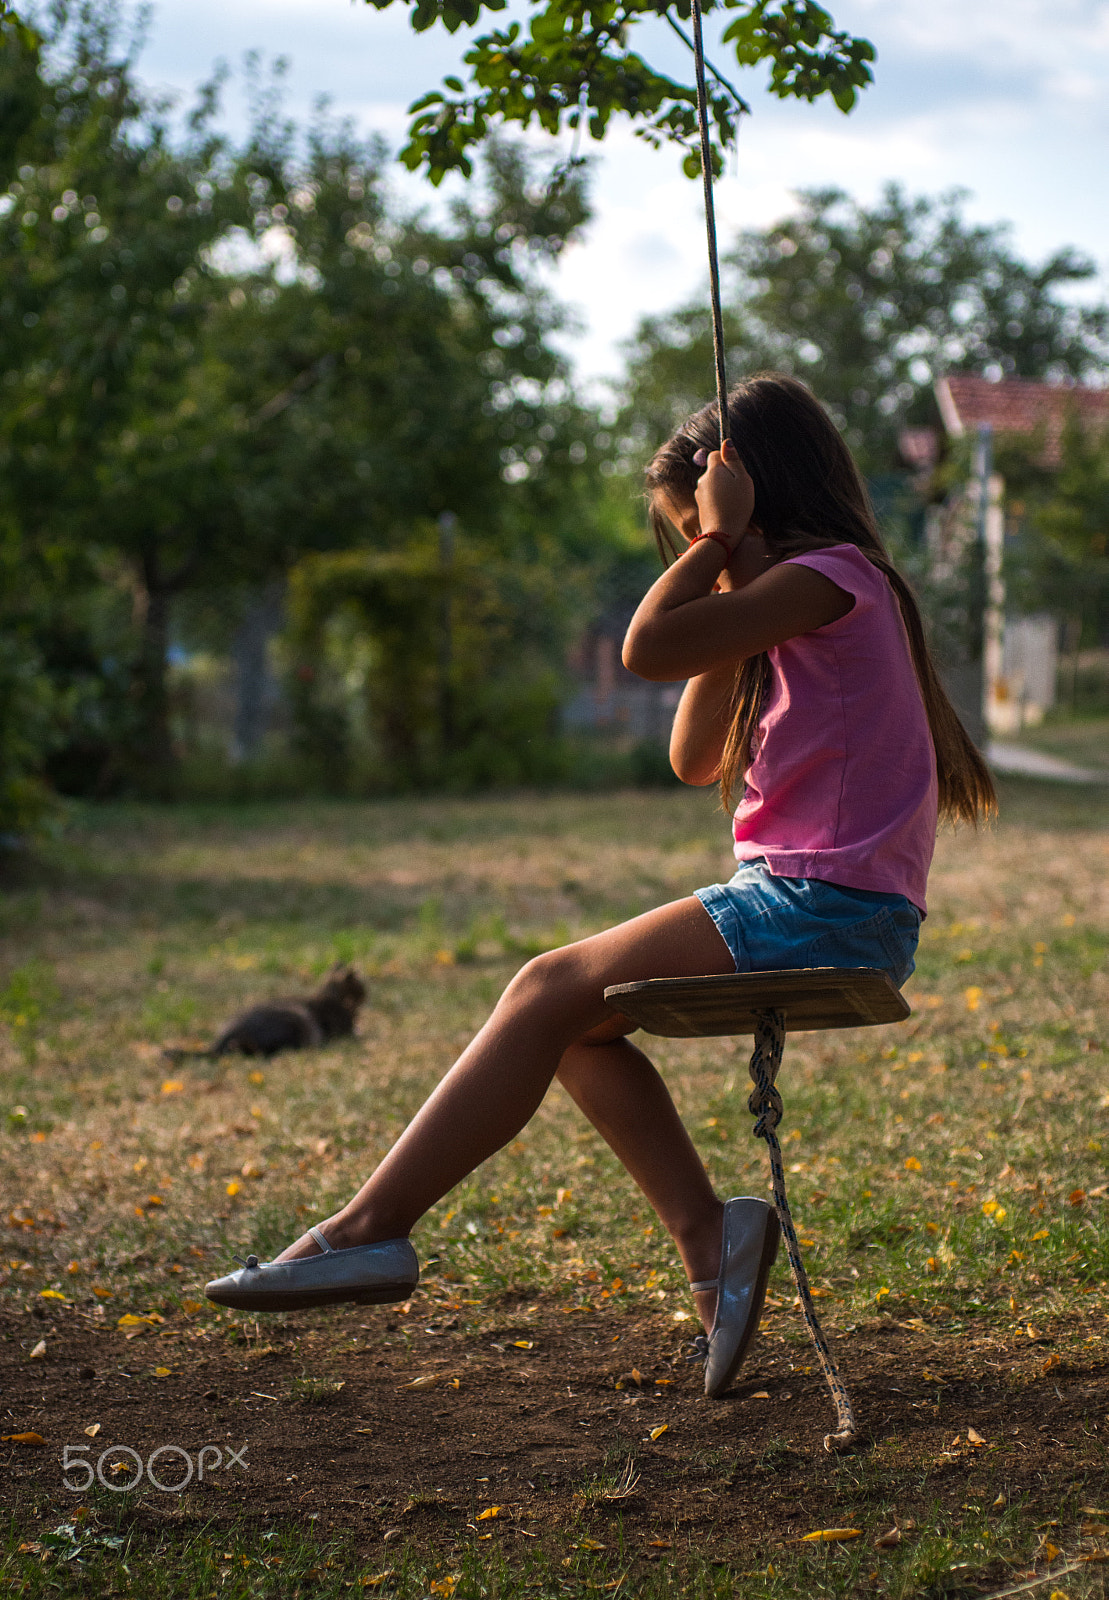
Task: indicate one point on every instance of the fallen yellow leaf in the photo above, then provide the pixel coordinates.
(974, 1437)
(22, 1438)
(887, 1541)
(427, 1380)
(657, 1433)
(92, 1430)
(172, 1086)
(191, 1307)
(488, 1514)
(761, 1394)
(912, 1164)
(831, 1535)
(129, 1319)
(973, 997)
(1041, 1233)
(161, 1372)
(374, 1580)
(523, 1344)
(233, 1188)
(39, 1352)
(50, 1294)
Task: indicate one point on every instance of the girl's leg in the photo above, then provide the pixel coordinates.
(498, 1082)
(626, 1100)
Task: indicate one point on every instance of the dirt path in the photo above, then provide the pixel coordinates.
(556, 1420)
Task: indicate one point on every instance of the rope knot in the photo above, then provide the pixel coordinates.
(765, 1105)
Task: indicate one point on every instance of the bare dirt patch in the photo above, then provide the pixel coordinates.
(556, 1421)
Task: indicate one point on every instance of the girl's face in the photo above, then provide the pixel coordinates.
(750, 556)
(682, 513)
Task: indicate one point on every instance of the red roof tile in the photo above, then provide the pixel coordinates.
(1017, 405)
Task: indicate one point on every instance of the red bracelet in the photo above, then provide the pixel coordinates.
(720, 539)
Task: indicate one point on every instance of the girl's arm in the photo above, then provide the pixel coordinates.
(701, 725)
(682, 629)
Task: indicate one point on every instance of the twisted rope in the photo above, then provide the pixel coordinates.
(710, 222)
(765, 1105)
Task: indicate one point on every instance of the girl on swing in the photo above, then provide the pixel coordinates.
(811, 686)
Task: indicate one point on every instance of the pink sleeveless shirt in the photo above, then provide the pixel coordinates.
(843, 784)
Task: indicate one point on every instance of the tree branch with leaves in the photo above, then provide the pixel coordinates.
(572, 65)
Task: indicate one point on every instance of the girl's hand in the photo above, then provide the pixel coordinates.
(725, 495)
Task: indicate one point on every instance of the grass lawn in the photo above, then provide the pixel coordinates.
(949, 1177)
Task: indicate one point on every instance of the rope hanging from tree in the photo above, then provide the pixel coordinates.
(710, 221)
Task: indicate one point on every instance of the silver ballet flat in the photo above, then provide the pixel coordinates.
(367, 1274)
(747, 1254)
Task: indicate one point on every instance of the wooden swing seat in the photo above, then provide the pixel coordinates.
(808, 998)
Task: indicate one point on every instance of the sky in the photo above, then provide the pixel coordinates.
(1008, 99)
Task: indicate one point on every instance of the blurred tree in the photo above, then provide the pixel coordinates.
(1057, 552)
(572, 66)
(108, 406)
(214, 360)
(869, 305)
(387, 371)
(414, 384)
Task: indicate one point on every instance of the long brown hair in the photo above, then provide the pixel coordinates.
(808, 495)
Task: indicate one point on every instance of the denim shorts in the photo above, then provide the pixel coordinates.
(769, 922)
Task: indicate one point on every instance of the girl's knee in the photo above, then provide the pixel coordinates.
(554, 974)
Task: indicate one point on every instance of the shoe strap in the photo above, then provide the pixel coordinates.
(706, 1283)
(321, 1241)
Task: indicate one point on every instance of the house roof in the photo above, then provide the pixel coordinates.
(1017, 405)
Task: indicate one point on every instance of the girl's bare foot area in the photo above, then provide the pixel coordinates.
(701, 1256)
(705, 1301)
(304, 1246)
(339, 1234)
